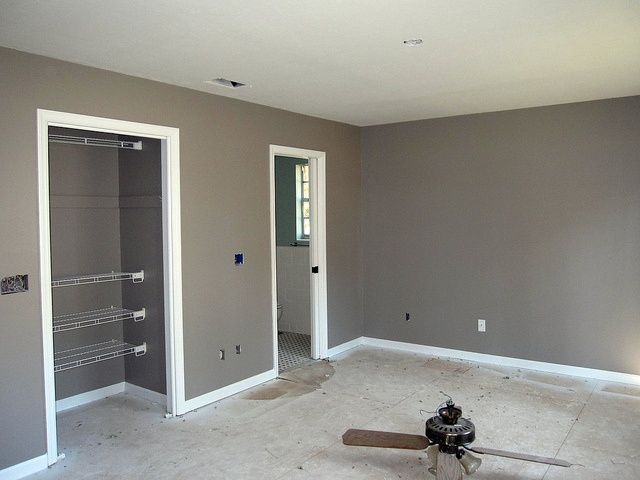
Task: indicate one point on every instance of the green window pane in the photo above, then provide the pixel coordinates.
(305, 210)
(305, 190)
(305, 173)
(306, 227)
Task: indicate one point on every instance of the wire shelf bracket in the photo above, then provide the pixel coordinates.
(135, 277)
(99, 352)
(72, 321)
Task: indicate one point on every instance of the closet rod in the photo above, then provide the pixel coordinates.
(95, 142)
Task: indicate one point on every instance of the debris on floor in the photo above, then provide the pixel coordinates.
(291, 383)
(245, 436)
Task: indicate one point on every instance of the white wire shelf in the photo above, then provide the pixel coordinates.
(98, 352)
(136, 277)
(72, 321)
(96, 142)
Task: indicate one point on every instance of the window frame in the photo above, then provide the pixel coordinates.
(300, 202)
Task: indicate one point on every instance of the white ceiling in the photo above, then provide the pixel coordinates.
(344, 59)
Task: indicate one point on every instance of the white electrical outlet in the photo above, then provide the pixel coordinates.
(482, 326)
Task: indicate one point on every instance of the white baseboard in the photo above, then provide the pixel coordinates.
(88, 397)
(507, 361)
(145, 393)
(25, 468)
(104, 392)
(229, 390)
(343, 347)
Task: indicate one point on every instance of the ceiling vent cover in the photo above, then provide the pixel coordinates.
(223, 82)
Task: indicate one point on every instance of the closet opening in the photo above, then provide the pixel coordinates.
(110, 264)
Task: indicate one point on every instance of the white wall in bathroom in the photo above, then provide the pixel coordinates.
(294, 291)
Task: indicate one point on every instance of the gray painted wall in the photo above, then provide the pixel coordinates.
(85, 238)
(225, 208)
(529, 219)
(285, 173)
(142, 248)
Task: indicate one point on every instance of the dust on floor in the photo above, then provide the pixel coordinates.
(291, 428)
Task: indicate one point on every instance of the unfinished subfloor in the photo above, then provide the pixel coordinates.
(291, 428)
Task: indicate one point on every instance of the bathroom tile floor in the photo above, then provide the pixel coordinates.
(290, 428)
(294, 350)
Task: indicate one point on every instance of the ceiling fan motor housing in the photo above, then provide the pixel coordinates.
(449, 430)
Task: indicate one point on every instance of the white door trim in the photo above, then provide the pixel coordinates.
(318, 255)
(317, 247)
(172, 252)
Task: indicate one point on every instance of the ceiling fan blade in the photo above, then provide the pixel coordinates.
(374, 438)
(521, 456)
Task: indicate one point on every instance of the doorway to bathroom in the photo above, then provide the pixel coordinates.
(298, 249)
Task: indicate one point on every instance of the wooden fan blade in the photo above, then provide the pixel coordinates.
(521, 456)
(374, 438)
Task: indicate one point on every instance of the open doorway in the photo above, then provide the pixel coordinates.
(110, 264)
(298, 247)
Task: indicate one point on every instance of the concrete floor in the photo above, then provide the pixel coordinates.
(290, 429)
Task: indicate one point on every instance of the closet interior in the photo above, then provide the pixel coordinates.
(106, 264)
